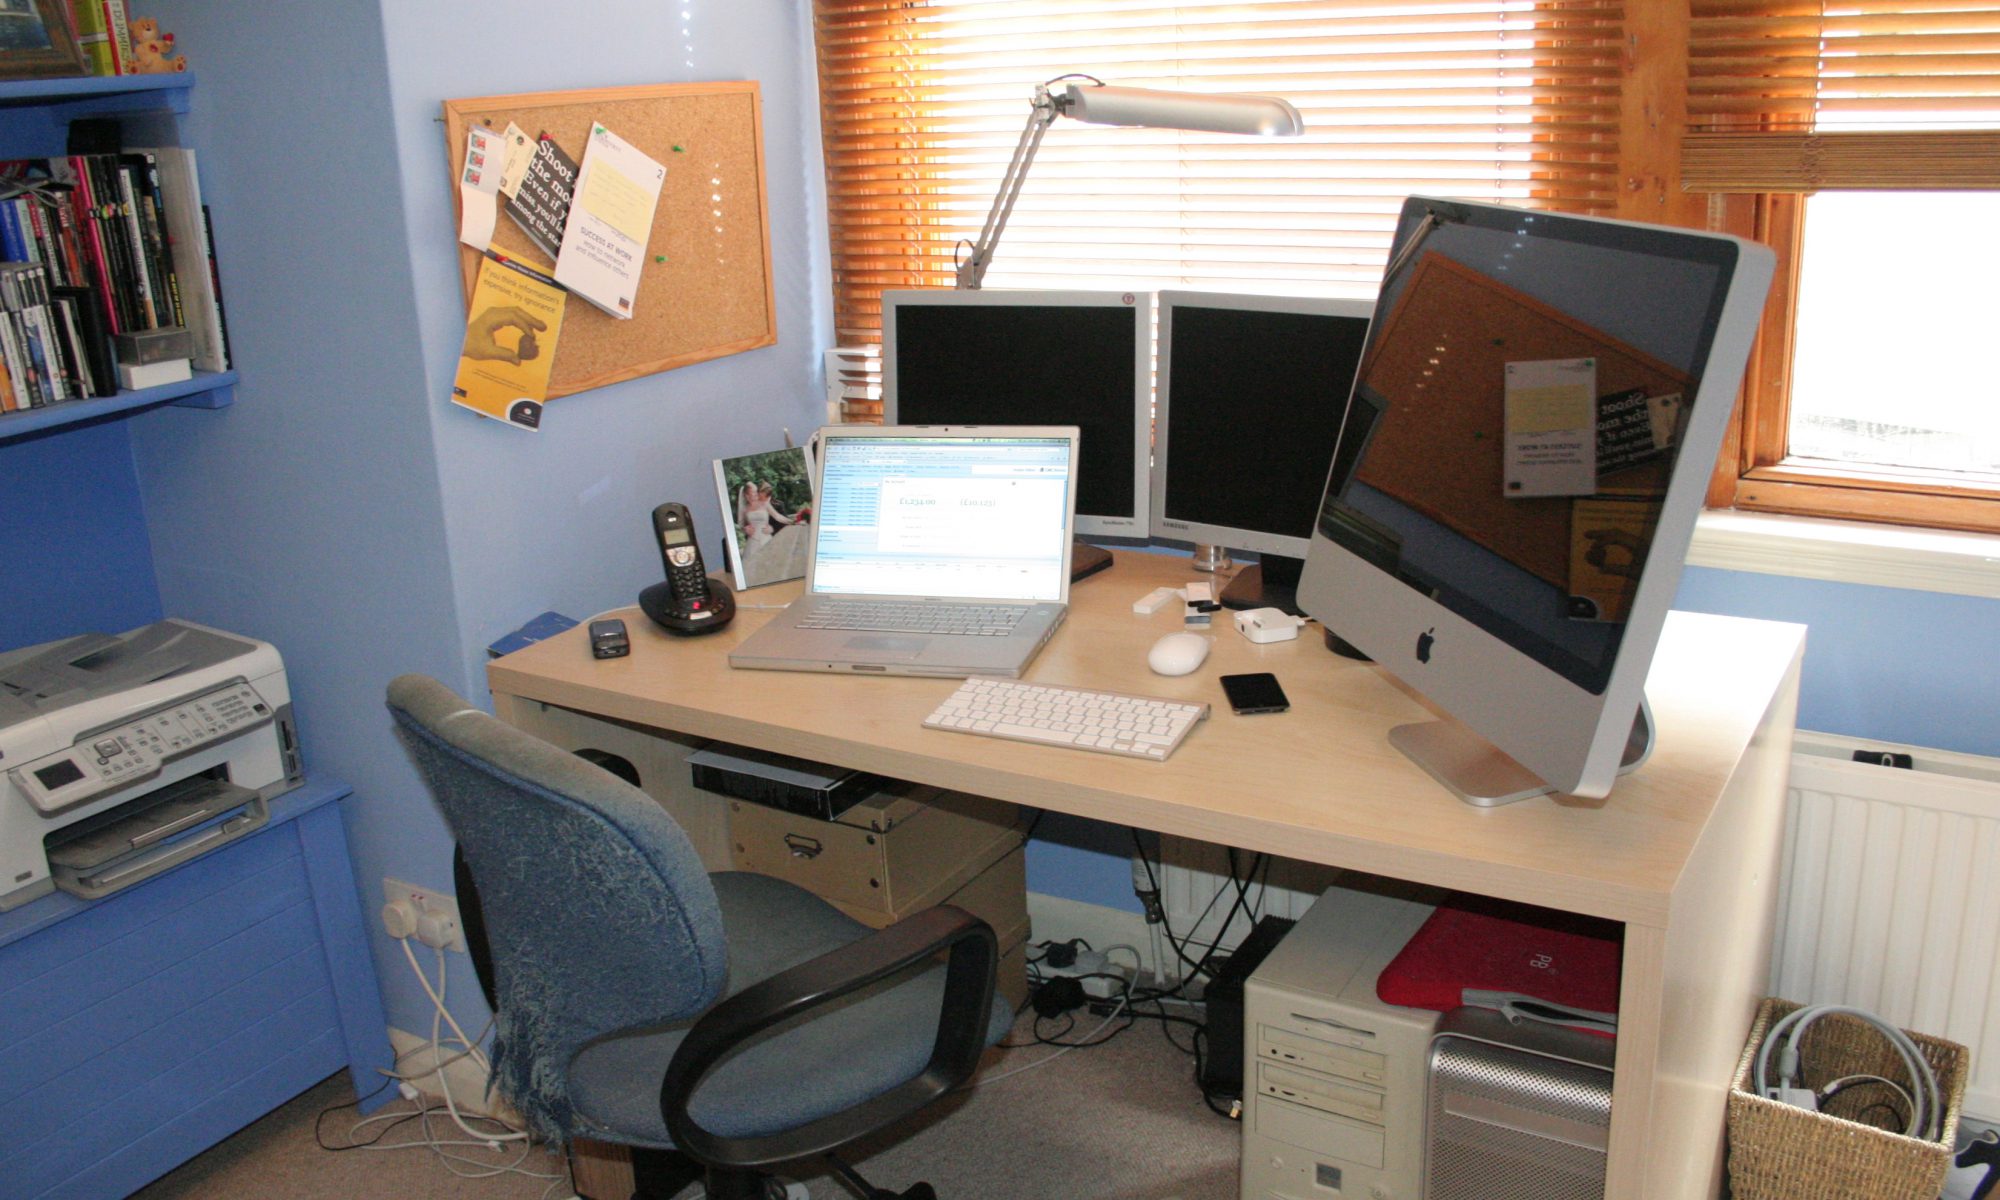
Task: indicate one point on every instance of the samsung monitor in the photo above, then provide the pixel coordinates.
(1525, 450)
(1034, 357)
(1248, 400)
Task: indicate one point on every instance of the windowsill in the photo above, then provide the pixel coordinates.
(1932, 560)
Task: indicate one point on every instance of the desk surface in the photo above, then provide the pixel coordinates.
(1319, 782)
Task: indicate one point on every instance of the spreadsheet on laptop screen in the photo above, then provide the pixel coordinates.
(972, 517)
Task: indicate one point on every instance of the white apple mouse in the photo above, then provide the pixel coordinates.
(1177, 653)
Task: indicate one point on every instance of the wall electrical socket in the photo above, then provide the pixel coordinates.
(424, 901)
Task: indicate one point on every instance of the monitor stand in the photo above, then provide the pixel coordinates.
(1086, 560)
(1270, 583)
(1475, 771)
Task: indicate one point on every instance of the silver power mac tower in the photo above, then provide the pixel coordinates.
(1515, 1112)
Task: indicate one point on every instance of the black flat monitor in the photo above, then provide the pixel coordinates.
(1034, 357)
(1525, 451)
(1247, 410)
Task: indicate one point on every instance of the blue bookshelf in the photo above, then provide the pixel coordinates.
(34, 123)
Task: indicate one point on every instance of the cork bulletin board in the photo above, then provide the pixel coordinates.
(1439, 392)
(705, 287)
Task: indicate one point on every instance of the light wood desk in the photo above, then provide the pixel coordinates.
(1683, 852)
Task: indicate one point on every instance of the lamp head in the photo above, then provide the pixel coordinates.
(1100, 104)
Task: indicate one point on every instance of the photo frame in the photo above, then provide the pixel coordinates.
(767, 502)
(36, 41)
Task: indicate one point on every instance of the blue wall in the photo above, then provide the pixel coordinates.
(343, 509)
(74, 553)
(1883, 663)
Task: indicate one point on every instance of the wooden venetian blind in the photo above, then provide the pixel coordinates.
(922, 103)
(1804, 95)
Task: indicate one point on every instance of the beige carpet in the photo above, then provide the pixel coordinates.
(1122, 1121)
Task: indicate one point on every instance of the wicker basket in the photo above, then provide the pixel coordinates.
(1781, 1152)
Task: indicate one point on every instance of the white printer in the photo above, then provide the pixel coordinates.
(123, 756)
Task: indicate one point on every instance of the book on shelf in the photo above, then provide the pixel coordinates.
(190, 253)
(105, 52)
(101, 244)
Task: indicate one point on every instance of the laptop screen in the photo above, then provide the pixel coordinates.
(968, 517)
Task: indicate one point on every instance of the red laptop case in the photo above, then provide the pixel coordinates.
(1473, 943)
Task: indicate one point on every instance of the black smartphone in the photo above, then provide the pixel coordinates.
(1258, 693)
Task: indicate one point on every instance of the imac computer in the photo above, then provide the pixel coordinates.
(1035, 357)
(1247, 409)
(1526, 447)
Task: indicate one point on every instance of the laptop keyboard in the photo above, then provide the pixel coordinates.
(1107, 722)
(895, 616)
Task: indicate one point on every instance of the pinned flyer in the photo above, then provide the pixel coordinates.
(1551, 434)
(610, 221)
(478, 184)
(510, 343)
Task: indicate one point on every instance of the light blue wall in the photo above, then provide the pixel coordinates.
(74, 552)
(343, 509)
(1883, 663)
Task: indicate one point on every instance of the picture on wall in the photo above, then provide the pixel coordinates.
(767, 503)
(35, 41)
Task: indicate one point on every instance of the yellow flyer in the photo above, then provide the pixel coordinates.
(510, 343)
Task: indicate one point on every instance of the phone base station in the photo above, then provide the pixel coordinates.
(684, 620)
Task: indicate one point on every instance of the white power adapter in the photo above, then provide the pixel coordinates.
(1262, 625)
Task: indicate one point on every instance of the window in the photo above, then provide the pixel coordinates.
(1861, 139)
(923, 101)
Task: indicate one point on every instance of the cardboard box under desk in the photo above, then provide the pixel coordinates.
(998, 896)
(903, 849)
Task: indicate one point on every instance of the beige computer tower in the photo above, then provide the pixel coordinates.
(1333, 1099)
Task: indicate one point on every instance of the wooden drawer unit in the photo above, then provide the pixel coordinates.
(906, 847)
(897, 853)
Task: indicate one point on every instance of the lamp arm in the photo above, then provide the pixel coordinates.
(972, 269)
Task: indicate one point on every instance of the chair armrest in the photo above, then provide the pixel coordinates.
(961, 1033)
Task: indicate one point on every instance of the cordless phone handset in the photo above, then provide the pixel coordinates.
(687, 579)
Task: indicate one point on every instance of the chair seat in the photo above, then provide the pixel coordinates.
(793, 1073)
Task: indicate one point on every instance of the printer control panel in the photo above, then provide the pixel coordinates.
(124, 754)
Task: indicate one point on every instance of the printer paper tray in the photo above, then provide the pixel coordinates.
(182, 821)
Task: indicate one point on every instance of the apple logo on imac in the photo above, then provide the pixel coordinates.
(1424, 643)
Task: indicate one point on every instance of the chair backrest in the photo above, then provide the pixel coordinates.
(597, 910)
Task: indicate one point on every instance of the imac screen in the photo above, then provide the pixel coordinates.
(1525, 394)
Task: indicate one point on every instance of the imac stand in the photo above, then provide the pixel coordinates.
(1476, 772)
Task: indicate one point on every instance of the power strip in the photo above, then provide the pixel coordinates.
(1092, 963)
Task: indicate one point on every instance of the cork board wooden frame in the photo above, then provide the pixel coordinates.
(705, 289)
(1437, 392)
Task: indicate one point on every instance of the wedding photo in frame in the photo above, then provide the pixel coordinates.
(35, 41)
(767, 502)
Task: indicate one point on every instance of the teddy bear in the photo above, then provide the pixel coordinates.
(152, 50)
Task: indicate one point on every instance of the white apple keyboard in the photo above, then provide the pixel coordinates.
(1107, 722)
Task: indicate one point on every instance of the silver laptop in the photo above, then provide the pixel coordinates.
(936, 550)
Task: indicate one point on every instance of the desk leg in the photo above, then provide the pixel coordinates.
(1690, 990)
(600, 1170)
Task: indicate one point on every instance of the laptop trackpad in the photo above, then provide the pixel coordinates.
(879, 647)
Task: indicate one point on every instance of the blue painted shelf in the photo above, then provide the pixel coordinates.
(38, 111)
(208, 389)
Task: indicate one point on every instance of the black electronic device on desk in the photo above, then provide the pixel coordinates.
(687, 601)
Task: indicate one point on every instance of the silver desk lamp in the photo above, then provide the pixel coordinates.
(1097, 104)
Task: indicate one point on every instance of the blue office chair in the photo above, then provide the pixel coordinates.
(732, 1019)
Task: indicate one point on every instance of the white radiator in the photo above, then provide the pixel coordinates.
(1889, 894)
